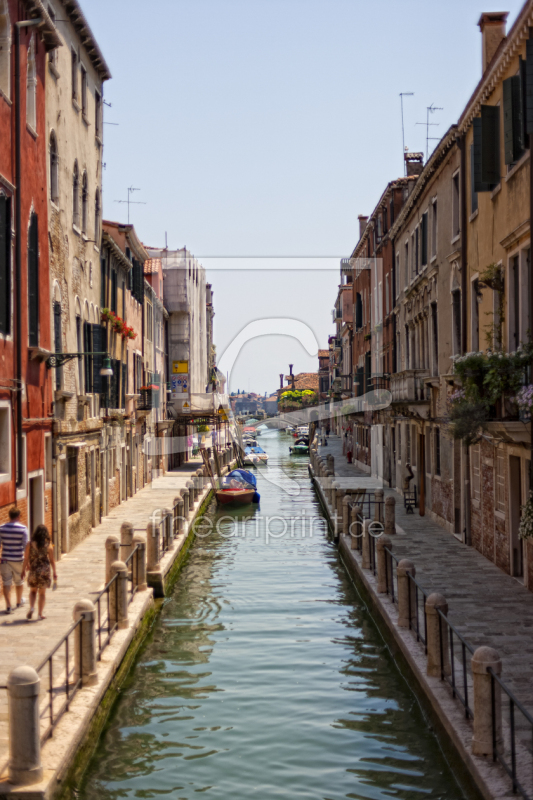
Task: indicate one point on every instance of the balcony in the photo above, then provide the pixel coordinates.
(409, 387)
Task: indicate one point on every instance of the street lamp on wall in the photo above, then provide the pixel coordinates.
(58, 359)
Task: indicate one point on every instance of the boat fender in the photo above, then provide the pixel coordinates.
(256, 498)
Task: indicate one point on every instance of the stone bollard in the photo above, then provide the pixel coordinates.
(213, 466)
(406, 594)
(355, 527)
(331, 462)
(333, 495)
(175, 516)
(365, 563)
(166, 519)
(126, 539)
(378, 505)
(190, 486)
(23, 686)
(138, 567)
(85, 643)
(180, 521)
(118, 596)
(381, 558)
(198, 484)
(112, 553)
(390, 516)
(482, 739)
(185, 496)
(346, 509)
(437, 636)
(153, 547)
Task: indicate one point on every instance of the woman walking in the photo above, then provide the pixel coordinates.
(39, 562)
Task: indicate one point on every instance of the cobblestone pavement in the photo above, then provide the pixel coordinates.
(81, 575)
(486, 605)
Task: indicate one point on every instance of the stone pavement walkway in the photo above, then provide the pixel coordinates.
(81, 575)
(486, 605)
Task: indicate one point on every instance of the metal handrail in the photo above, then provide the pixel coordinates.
(100, 625)
(497, 754)
(451, 680)
(418, 589)
(69, 689)
(133, 558)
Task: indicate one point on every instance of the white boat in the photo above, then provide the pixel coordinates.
(254, 456)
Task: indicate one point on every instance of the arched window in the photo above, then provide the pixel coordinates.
(97, 218)
(84, 202)
(76, 196)
(54, 169)
(31, 87)
(5, 49)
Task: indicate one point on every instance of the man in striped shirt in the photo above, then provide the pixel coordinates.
(13, 541)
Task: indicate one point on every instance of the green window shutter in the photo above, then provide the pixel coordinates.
(97, 343)
(33, 282)
(490, 145)
(123, 385)
(529, 86)
(512, 119)
(479, 184)
(5, 264)
(87, 359)
(424, 239)
(473, 193)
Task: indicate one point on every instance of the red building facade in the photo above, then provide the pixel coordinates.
(26, 409)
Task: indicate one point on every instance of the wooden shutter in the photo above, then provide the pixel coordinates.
(58, 346)
(87, 342)
(33, 282)
(123, 385)
(479, 184)
(97, 347)
(512, 119)
(529, 86)
(5, 264)
(490, 144)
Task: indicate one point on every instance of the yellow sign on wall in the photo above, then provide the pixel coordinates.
(180, 366)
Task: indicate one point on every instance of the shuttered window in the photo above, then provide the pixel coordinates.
(437, 451)
(97, 361)
(123, 385)
(358, 311)
(33, 282)
(500, 481)
(5, 265)
(87, 348)
(479, 184)
(58, 347)
(473, 193)
(490, 145)
(72, 468)
(512, 119)
(114, 291)
(424, 239)
(529, 86)
(476, 473)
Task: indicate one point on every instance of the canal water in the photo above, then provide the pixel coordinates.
(265, 676)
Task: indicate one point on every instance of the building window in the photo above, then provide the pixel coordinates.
(5, 49)
(58, 345)
(406, 264)
(424, 235)
(72, 472)
(97, 114)
(437, 451)
(76, 196)
(513, 123)
(500, 481)
(455, 206)
(54, 169)
(80, 348)
(456, 322)
(48, 459)
(5, 441)
(31, 87)
(408, 443)
(114, 291)
(434, 228)
(87, 472)
(435, 339)
(97, 218)
(84, 92)
(414, 448)
(486, 151)
(476, 473)
(74, 74)
(5, 264)
(33, 282)
(518, 299)
(476, 299)
(84, 203)
(149, 321)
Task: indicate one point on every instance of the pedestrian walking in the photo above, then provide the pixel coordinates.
(13, 540)
(39, 563)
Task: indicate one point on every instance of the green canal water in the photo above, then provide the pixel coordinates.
(265, 676)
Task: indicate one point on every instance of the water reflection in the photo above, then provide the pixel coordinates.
(265, 676)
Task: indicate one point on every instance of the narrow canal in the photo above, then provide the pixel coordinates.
(265, 676)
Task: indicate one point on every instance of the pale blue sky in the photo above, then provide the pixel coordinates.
(264, 127)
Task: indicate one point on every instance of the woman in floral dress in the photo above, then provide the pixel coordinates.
(39, 563)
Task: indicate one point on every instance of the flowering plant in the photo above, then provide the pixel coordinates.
(117, 324)
(525, 531)
(524, 398)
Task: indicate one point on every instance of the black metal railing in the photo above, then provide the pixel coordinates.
(105, 624)
(391, 576)
(506, 743)
(418, 597)
(460, 655)
(132, 563)
(59, 675)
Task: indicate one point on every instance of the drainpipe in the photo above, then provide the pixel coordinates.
(18, 246)
(464, 289)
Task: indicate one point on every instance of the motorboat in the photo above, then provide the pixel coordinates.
(238, 487)
(300, 447)
(254, 456)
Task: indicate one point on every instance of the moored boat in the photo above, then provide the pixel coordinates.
(300, 447)
(238, 487)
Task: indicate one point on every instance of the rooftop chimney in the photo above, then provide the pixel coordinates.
(492, 27)
(362, 224)
(414, 163)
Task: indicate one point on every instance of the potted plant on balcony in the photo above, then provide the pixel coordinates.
(148, 396)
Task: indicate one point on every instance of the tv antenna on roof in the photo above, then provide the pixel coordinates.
(402, 95)
(129, 202)
(430, 110)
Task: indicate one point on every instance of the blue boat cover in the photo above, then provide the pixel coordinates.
(244, 475)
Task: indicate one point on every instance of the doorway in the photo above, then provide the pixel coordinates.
(36, 502)
(515, 497)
